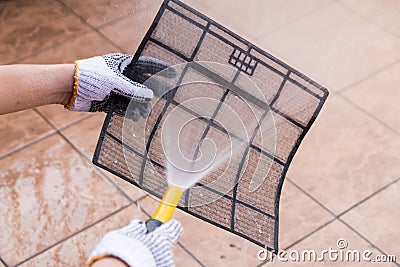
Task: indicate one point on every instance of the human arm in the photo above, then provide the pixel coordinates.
(83, 86)
(28, 86)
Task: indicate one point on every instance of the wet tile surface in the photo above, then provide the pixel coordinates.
(135, 27)
(345, 157)
(84, 136)
(48, 193)
(84, 46)
(379, 96)
(74, 251)
(31, 25)
(382, 215)
(97, 13)
(333, 46)
(21, 128)
(60, 117)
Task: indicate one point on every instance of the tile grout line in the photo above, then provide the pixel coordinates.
(364, 17)
(30, 143)
(103, 175)
(190, 254)
(311, 197)
(368, 114)
(368, 197)
(40, 50)
(364, 238)
(284, 25)
(3, 262)
(74, 234)
(45, 136)
(69, 125)
(303, 238)
(91, 26)
(59, 43)
(368, 76)
(337, 217)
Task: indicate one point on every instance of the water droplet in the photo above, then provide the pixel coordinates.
(260, 231)
(115, 161)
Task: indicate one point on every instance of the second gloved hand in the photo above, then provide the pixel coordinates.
(137, 248)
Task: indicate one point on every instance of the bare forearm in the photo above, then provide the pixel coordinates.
(28, 86)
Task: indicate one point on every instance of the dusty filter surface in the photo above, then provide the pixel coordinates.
(274, 103)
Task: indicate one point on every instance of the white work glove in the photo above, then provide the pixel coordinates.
(137, 248)
(97, 78)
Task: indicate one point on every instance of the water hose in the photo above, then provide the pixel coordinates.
(165, 209)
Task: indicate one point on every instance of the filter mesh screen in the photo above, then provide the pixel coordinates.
(180, 34)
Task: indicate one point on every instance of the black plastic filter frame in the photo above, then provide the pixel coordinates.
(245, 57)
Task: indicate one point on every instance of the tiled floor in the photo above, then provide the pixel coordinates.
(343, 183)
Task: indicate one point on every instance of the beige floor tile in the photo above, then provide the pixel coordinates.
(345, 157)
(379, 96)
(74, 251)
(87, 45)
(20, 128)
(135, 28)
(299, 215)
(384, 13)
(61, 117)
(100, 12)
(382, 214)
(84, 136)
(31, 25)
(334, 46)
(211, 245)
(182, 258)
(328, 238)
(49, 192)
(254, 18)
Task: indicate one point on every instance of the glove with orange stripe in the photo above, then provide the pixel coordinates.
(98, 78)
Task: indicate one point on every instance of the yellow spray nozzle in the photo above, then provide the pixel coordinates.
(168, 204)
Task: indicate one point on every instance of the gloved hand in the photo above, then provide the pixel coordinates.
(137, 248)
(97, 78)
